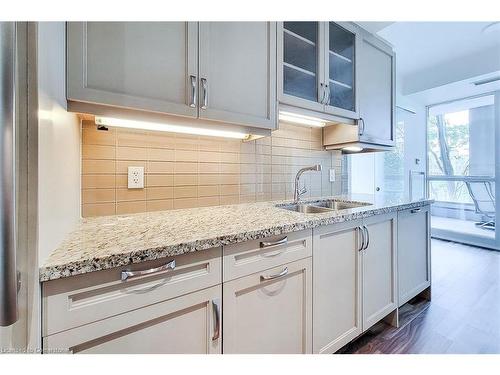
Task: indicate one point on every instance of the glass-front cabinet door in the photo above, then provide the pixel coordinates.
(341, 40)
(301, 77)
(318, 67)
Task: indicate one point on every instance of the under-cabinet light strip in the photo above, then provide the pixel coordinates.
(301, 119)
(167, 127)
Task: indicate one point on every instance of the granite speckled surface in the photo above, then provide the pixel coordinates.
(112, 241)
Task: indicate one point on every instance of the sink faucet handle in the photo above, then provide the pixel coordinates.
(302, 190)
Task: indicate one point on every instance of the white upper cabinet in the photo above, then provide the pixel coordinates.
(219, 71)
(376, 92)
(237, 72)
(339, 71)
(137, 65)
(317, 66)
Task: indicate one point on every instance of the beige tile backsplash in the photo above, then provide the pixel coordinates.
(184, 171)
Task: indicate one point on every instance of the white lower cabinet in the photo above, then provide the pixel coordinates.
(379, 268)
(414, 272)
(337, 286)
(267, 299)
(354, 279)
(171, 305)
(269, 311)
(187, 324)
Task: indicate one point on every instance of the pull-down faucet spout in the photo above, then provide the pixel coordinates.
(298, 192)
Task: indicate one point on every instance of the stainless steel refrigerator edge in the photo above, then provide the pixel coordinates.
(8, 271)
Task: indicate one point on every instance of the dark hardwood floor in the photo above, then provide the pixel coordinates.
(463, 316)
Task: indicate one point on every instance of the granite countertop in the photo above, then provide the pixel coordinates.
(112, 241)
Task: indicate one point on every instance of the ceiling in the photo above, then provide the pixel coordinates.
(374, 27)
(422, 45)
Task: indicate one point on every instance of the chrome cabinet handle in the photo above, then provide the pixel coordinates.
(361, 126)
(216, 310)
(264, 244)
(415, 210)
(362, 233)
(278, 275)
(323, 97)
(129, 274)
(192, 103)
(327, 101)
(204, 87)
(367, 237)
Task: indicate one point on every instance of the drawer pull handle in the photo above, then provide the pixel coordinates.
(284, 240)
(278, 275)
(129, 274)
(415, 210)
(272, 255)
(216, 310)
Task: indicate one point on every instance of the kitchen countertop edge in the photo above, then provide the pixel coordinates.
(93, 264)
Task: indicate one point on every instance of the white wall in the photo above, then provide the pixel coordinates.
(415, 138)
(482, 141)
(362, 173)
(59, 144)
(366, 170)
(466, 68)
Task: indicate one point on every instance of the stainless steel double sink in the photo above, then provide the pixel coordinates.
(323, 206)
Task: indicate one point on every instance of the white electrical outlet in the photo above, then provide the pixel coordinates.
(135, 177)
(332, 175)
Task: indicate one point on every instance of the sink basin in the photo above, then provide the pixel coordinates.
(305, 208)
(339, 205)
(322, 206)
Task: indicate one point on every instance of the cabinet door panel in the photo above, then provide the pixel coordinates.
(341, 60)
(138, 65)
(379, 269)
(413, 253)
(238, 61)
(269, 316)
(336, 286)
(301, 64)
(376, 92)
(182, 325)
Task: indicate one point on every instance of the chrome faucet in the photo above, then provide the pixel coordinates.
(297, 191)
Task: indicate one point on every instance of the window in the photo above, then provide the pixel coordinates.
(460, 144)
(461, 170)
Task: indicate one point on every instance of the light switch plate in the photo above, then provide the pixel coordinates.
(135, 177)
(332, 175)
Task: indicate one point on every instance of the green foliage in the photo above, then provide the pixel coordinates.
(457, 139)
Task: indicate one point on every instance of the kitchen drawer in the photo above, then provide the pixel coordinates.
(78, 300)
(254, 256)
(269, 312)
(190, 324)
